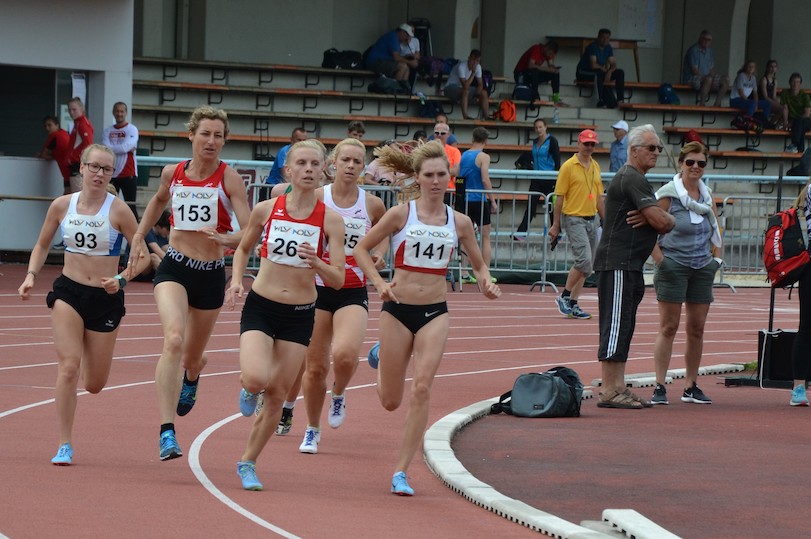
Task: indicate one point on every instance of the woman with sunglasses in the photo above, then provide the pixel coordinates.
(685, 269)
(87, 299)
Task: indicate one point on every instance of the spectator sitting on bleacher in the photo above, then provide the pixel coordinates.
(769, 90)
(384, 56)
(420, 136)
(461, 88)
(536, 66)
(699, 70)
(355, 129)
(277, 170)
(410, 50)
(799, 112)
(745, 94)
(442, 118)
(598, 63)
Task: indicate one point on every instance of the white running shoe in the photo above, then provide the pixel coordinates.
(337, 411)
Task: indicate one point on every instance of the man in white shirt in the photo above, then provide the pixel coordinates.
(460, 85)
(122, 138)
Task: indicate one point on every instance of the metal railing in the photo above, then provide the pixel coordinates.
(743, 220)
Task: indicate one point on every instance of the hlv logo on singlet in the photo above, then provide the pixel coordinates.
(89, 224)
(354, 226)
(294, 231)
(194, 195)
(432, 233)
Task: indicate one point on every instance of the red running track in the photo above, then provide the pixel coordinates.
(118, 486)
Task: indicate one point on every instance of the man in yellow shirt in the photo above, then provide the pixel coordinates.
(578, 201)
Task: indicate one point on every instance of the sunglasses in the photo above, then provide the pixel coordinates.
(651, 147)
(589, 144)
(440, 133)
(691, 162)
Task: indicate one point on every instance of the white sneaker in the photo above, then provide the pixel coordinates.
(337, 411)
(311, 438)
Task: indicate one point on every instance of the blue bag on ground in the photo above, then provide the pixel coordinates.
(554, 393)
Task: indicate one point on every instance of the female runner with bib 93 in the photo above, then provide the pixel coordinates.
(87, 298)
(415, 314)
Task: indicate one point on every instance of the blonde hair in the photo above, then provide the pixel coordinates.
(99, 147)
(207, 113)
(801, 199)
(410, 162)
(346, 142)
(312, 144)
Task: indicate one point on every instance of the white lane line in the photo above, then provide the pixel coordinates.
(197, 470)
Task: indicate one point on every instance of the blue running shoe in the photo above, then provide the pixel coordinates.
(247, 472)
(248, 402)
(798, 397)
(188, 396)
(564, 306)
(374, 355)
(169, 448)
(64, 455)
(399, 485)
(577, 312)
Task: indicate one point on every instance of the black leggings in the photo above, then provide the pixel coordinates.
(801, 352)
(546, 187)
(129, 187)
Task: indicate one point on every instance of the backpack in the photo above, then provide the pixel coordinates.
(522, 92)
(385, 85)
(524, 161)
(784, 252)
(554, 393)
(487, 81)
(746, 123)
(506, 111)
(335, 59)
(430, 109)
(667, 95)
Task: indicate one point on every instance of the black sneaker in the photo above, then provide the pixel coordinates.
(285, 423)
(659, 395)
(694, 394)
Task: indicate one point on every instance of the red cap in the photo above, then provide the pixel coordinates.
(587, 135)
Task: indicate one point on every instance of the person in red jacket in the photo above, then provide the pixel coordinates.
(56, 148)
(81, 136)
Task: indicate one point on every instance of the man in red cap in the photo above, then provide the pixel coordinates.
(578, 199)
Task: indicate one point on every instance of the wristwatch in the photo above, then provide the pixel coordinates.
(122, 282)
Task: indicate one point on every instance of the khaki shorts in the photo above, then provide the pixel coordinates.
(582, 235)
(676, 283)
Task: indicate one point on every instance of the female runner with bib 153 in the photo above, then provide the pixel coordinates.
(190, 281)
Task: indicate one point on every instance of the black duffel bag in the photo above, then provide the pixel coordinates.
(335, 59)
